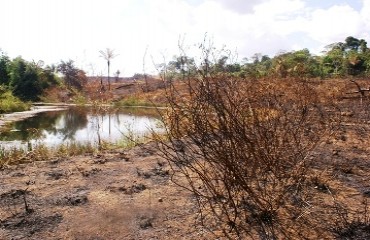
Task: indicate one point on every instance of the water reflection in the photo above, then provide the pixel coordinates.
(81, 125)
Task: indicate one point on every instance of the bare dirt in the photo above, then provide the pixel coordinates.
(114, 195)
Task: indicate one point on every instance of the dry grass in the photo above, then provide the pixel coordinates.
(41, 152)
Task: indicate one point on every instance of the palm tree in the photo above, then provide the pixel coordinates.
(108, 54)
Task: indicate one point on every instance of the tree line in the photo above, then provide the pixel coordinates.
(27, 80)
(341, 59)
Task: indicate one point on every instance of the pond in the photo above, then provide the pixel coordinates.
(82, 125)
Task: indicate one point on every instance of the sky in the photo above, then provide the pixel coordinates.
(144, 33)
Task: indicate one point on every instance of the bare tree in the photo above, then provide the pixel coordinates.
(108, 55)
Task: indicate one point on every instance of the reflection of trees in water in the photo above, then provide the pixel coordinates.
(74, 120)
(32, 128)
(65, 124)
(96, 125)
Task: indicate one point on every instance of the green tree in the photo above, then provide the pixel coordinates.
(299, 63)
(259, 67)
(363, 46)
(356, 56)
(355, 63)
(348, 58)
(4, 69)
(24, 80)
(333, 62)
(366, 55)
(72, 76)
(352, 43)
(48, 77)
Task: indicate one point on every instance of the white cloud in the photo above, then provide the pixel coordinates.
(280, 8)
(334, 23)
(240, 6)
(365, 14)
(52, 30)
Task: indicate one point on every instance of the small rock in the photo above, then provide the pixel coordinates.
(160, 200)
(146, 223)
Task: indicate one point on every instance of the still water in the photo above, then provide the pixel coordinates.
(78, 124)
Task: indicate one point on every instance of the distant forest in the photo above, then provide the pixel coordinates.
(341, 59)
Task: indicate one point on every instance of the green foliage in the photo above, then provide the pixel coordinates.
(28, 80)
(333, 63)
(259, 67)
(9, 103)
(25, 80)
(48, 78)
(4, 66)
(348, 58)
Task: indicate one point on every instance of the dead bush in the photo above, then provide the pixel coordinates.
(244, 148)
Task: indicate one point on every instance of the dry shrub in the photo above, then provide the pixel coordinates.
(96, 92)
(56, 94)
(351, 224)
(244, 148)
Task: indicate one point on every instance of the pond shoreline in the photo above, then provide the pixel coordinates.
(17, 116)
(39, 107)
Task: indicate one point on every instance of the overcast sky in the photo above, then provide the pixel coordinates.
(54, 30)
